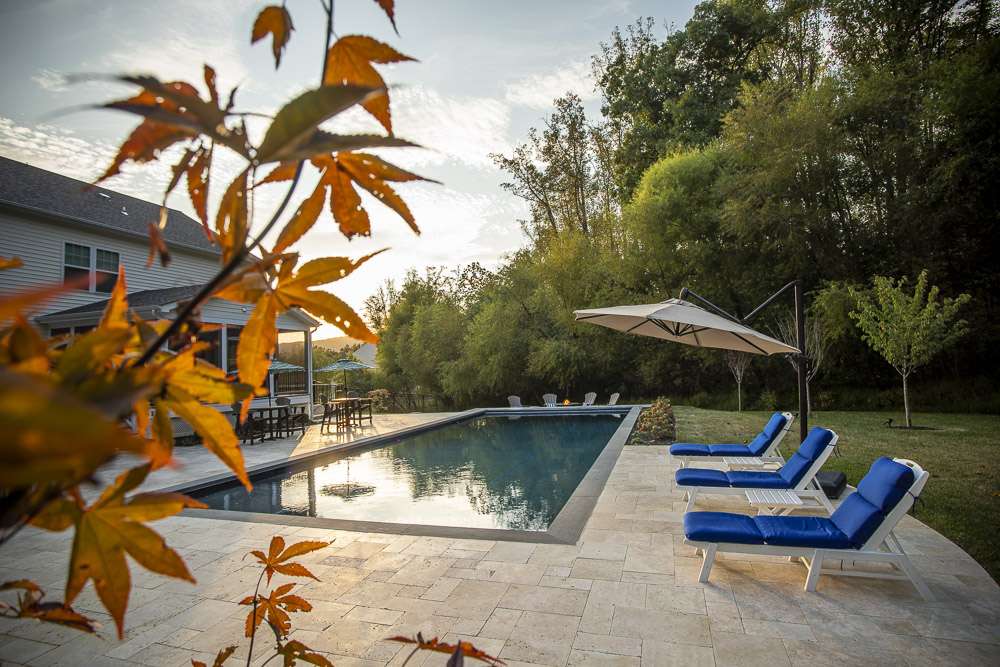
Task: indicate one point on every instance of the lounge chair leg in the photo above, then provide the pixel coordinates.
(706, 564)
(915, 578)
(691, 496)
(815, 567)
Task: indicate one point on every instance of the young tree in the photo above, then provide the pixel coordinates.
(907, 330)
(738, 363)
(817, 345)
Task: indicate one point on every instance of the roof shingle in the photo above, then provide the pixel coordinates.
(48, 193)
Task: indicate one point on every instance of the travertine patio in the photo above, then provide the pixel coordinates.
(626, 594)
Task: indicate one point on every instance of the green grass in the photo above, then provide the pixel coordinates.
(961, 452)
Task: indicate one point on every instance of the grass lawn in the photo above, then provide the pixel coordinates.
(961, 452)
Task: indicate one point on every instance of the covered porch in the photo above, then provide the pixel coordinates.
(291, 371)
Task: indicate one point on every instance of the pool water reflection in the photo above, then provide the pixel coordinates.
(505, 472)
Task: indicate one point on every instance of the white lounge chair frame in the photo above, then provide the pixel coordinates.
(881, 547)
(808, 489)
(589, 398)
(514, 401)
(614, 398)
(549, 400)
(771, 455)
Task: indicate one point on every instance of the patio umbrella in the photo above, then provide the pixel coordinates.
(684, 322)
(345, 365)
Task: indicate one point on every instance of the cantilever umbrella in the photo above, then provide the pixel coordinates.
(344, 365)
(684, 322)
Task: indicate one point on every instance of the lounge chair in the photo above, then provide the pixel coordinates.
(797, 475)
(549, 400)
(860, 529)
(764, 446)
(515, 401)
(589, 398)
(614, 398)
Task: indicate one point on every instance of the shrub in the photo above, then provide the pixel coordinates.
(657, 424)
(768, 401)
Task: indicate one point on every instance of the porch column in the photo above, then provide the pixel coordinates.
(309, 371)
(223, 349)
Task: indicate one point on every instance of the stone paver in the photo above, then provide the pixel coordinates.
(626, 594)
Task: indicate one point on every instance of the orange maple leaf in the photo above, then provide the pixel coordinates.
(350, 60)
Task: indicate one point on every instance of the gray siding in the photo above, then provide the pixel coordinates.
(40, 244)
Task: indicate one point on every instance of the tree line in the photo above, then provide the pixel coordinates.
(828, 141)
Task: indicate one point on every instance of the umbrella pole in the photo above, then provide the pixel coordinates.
(800, 340)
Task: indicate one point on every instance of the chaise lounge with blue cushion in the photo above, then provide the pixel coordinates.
(764, 445)
(797, 475)
(859, 530)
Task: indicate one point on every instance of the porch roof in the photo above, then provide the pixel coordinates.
(142, 301)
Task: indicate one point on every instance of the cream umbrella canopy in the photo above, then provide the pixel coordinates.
(683, 322)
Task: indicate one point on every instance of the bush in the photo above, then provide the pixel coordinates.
(657, 424)
(768, 401)
(380, 399)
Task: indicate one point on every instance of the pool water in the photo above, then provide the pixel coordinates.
(507, 472)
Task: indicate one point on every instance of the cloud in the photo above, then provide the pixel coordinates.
(50, 80)
(538, 90)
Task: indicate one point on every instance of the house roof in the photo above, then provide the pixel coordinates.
(29, 188)
(145, 298)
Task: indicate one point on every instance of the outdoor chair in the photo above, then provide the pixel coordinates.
(251, 429)
(289, 421)
(514, 401)
(614, 398)
(363, 413)
(764, 446)
(329, 415)
(797, 475)
(549, 400)
(589, 398)
(860, 530)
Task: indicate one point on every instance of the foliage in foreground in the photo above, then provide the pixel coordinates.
(116, 387)
(657, 424)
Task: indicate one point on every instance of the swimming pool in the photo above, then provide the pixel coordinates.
(492, 470)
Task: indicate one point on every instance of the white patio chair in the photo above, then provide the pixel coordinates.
(797, 475)
(614, 398)
(860, 530)
(515, 401)
(589, 398)
(549, 400)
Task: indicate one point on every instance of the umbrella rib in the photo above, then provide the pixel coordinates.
(631, 329)
(750, 343)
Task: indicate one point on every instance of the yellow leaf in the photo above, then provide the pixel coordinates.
(327, 270)
(257, 342)
(345, 204)
(231, 220)
(276, 21)
(112, 527)
(50, 435)
(10, 263)
(215, 430)
(371, 173)
(349, 61)
(330, 308)
(116, 312)
(303, 220)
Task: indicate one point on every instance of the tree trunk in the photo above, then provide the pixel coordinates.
(906, 403)
(739, 397)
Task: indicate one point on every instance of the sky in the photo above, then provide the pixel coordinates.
(487, 72)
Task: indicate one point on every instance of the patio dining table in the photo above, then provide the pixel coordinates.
(272, 415)
(349, 411)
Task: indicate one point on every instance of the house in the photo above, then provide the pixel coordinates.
(62, 229)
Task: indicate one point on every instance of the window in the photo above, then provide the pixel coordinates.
(232, 341)
(213, 354)
(106, 271)
(80, 261)
(76, 266)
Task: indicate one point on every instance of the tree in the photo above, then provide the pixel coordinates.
(738, 363)
(908, 330)
(817, 345)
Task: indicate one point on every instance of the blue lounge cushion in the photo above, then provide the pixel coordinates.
(885, 484)
(771, 430)
(802, 531)
(689, 449)
(808, 452)
(857, 518)
(729, 450)
(756, 479)
(700, 477)
(721, 527)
